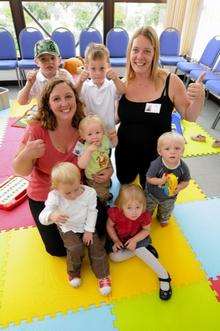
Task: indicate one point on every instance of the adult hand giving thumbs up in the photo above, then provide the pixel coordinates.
(195, 91)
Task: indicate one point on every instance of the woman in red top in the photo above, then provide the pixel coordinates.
(51, 138)
(128, 226)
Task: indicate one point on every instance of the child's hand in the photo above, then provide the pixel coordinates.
(57, 217)
(162, 180)
(111, 74)
(181, 187)
(92, 148)
(112, 135)
(31, 77)
(88, 238)
(131, 244)
(83, 76)
(117, 246)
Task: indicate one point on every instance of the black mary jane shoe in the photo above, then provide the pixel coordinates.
(153, 251)
(165, 295)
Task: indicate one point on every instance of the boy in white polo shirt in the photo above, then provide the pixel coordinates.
(47, 57)
(99, 94)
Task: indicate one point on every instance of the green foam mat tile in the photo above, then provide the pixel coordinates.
(191, 308)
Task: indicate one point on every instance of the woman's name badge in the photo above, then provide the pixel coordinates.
(78, 148)
(153, 108)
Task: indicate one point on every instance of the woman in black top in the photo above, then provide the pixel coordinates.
(146, 108)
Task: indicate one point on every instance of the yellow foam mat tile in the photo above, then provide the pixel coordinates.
(36, 283)
(4, 250)
(18, 110)
(192, 307)
(193, 148)
(176, 254)
(191, 193)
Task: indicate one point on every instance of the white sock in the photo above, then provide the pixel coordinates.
(148, 258)
(105, 290)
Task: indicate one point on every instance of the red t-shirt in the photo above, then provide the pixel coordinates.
(40, 182)
(126, 228)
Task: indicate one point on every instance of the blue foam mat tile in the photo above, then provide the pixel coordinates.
(93, 319)
(201, 225)
(4, 113)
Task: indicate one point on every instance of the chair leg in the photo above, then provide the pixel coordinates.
(206, 97)
(18, 78)
(22, 75)
(187, 81)
(215, 121)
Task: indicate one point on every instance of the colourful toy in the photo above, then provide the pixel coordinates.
(171, 184)
(13, 192)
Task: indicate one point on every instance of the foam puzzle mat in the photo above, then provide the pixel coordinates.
(30, 268)
(200, 224)
(193, 148)
(17, 110)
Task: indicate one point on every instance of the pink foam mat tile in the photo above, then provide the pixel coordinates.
(16, 218)
(215, 286)
(9, 147)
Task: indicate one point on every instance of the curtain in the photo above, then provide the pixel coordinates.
(175, 14)
(190, 25)
(184, 16)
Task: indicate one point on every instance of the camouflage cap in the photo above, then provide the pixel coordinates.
(46, 46)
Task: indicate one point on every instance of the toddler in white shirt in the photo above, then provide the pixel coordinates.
(72, 206)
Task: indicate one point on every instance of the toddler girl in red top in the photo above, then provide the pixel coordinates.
(128, 226)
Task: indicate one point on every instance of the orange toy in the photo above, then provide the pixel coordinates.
(74, 65)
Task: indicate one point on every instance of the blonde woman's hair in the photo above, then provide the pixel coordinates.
(174, 136)
(65, 173)
(90, 119)
(149, 33)
(96, 52)
(45, 115)
(130, 192)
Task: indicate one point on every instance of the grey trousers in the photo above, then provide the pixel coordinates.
(164, 207)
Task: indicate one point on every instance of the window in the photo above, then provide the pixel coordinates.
(72, 15)
(130, 16)
(208, 26)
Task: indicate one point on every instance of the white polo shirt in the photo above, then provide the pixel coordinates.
(41, 80)
(100, 101)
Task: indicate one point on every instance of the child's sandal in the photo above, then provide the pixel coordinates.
(165, 295)
(216, 143)
(199, 137)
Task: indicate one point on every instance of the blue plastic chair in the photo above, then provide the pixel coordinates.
(117, 42)
(65, 41)
(210, 75)
(207, 59)
(27, 39)
(88, 36)
(170, 47)
(213, 86)
(8, 56)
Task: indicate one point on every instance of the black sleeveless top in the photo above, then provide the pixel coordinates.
(139, 130)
